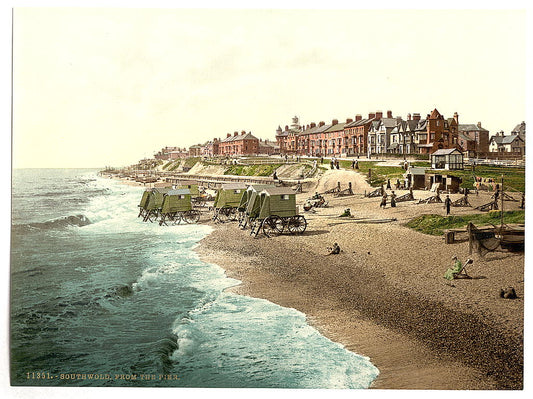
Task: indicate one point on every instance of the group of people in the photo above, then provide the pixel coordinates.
(355, 164)
(334, 163)
(384, 197)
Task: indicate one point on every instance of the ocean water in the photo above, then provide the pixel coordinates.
(99, 298)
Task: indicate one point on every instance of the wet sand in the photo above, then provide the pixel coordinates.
(384, 295)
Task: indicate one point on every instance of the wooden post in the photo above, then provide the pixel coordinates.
(501, 226)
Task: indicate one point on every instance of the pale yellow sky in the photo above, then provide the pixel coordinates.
(109, 86)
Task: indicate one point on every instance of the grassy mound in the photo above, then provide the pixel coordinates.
(436, 224)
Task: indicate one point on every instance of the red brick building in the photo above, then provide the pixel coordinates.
(239, 144)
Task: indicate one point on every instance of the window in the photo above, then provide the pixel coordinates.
(237, 191)
(285, 197)
(181, 196)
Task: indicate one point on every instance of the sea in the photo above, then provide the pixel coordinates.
(100, 298)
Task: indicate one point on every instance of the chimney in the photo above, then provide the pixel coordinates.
(358, 117)
(371, 115)
(389, 114)
(334, 121)
(456, 117)
(322, 123)
(379, 114)
(228, 135)
(349, 120)
(479, 124)
(286, 128)
(313, 124)
(409, 117)
(416, 116)
(235, 134)
(243, 132)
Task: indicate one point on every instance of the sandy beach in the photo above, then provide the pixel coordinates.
(384, 295)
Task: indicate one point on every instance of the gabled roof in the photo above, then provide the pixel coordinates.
(446, 151)
(510, 139)
(389, 122)
(435, 115)
(520, 128)
(496, 139)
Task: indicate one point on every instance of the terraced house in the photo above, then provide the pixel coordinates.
(238, 144)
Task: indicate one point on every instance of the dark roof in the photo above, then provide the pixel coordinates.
(470, 127)
(245, 136)
(336, 128)
(389, 122)
(520, 128)
(510, 139)
(360, 122)
(497, 139)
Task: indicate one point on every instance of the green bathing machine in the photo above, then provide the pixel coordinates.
(247, 205)
(151, 203)
(273, 211)
(177, 207)
(227, 201)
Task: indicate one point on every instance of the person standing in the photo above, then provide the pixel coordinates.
(447, 204)
(383, 201)
(393, 200)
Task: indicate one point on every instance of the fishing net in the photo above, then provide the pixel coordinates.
(483, 241)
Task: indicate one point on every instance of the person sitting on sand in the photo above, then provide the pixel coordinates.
(335, 250)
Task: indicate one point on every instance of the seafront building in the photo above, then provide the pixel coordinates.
(376, 135)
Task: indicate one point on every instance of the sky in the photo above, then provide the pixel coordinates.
(95, 87)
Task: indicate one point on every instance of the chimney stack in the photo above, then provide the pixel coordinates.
(235, 134)
(349, 120)
(389, 114)
(479, 124)
(456, 117)
(243, 132)
(334, 121)
(286, 128)
(358, 117)
(322, 123)
(416, 116)
(313, 124)
(409, 117)
(379, 114)
(371, 115)
(228, 135)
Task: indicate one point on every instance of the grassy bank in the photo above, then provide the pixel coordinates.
(252, 170)
(436, 224)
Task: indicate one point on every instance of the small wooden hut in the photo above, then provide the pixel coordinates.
(447, 158)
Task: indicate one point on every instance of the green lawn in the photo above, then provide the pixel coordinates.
(436, 224)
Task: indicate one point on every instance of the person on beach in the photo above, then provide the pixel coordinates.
(357, 163)
(447, 204)
(332, 164)
(383, 203)
(353, 164)
(393, 200)
(337, 163)
(335, 250)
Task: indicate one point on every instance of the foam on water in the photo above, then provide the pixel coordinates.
(140, 295)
